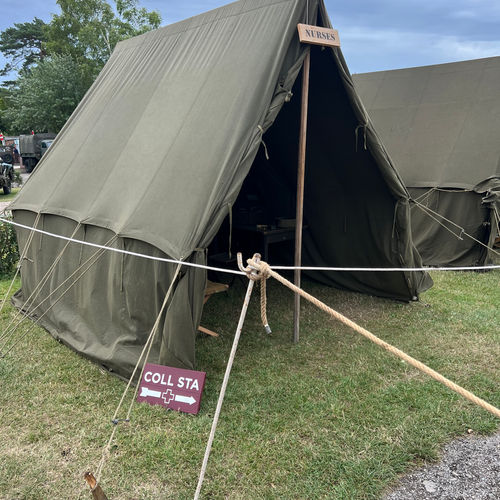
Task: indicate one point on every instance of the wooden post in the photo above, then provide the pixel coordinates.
(300, 190)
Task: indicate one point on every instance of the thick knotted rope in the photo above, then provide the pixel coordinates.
(260, 275)
(262, 271)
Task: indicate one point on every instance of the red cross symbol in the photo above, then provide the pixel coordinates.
(167, 396)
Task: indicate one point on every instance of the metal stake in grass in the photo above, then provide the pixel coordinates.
(226, 376)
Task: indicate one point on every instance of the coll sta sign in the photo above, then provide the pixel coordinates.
(173, 388)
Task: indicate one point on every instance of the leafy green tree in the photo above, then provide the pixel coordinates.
(23, 45)
(88, 30)
(59, 61)
(43, 98)
(4, 124)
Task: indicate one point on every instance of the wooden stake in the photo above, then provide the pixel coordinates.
(97, 493)
(300, 190)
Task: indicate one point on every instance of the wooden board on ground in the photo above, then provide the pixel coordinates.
(211, 288)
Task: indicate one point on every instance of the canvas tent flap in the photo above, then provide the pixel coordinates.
(489, 189)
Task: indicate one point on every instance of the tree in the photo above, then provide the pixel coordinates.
(60, 60)
(4, 124)
(43, 98)
(88, 30)
(23, 45)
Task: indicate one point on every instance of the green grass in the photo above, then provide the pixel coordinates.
(331, 417)
(9, 197)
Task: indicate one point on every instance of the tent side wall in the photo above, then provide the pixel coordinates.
(107, 313)
(441, 243)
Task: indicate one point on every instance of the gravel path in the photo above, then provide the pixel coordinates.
(469, 469)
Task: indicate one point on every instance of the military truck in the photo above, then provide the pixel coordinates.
(7, 153)
(32, 147)
(6, 176)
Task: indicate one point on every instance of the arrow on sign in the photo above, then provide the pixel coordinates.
(167, 396)
(185, 399)
(146, 391)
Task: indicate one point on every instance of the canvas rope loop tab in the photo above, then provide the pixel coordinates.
(363, 126)
(262, 141)
(264, 268)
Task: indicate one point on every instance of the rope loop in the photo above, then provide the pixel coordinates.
(258, 270)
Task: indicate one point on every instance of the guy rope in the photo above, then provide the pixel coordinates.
(258, 270)
(264, 271)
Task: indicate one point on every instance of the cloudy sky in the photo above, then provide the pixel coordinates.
(375, 34)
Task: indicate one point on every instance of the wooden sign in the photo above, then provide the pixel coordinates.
(173, 388)
(317, 35)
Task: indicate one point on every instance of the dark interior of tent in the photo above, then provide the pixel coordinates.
(348, 207)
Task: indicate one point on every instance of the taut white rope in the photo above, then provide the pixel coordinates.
(233, 271)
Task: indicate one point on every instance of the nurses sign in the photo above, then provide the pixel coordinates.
(173, 388)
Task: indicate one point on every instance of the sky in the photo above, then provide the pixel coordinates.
(375, 34)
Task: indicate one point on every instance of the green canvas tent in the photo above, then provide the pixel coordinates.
(441, 126)
(158, 152)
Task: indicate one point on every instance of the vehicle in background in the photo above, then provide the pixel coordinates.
(44, 145)
(31, 148)
(7, 153)
(6, 176)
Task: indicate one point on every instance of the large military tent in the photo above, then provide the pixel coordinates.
(441, 126)
(157, 154)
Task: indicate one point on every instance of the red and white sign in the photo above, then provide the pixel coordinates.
(173, 388)
(1, 136)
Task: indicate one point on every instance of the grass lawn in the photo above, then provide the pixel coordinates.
(9, 197)
(331, 417)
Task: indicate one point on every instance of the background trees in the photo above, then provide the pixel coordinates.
(43, 98)
(58, 61)
(22, 45)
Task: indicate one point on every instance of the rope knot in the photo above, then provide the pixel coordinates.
(258, 271)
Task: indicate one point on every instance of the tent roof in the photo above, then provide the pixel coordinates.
(172, 115)
(440, 123)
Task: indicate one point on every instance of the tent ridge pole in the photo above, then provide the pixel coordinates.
(300, 190)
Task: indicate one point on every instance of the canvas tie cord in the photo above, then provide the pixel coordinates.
(21, 259)
(73, 279)
(29, 302)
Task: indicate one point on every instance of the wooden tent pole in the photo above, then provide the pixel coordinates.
(300, 190)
